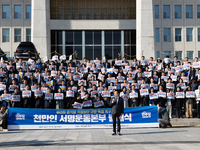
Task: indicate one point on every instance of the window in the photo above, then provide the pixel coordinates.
(157, 55)
(6, 12)
(93, 44)
(157, 35)
(178, 34)
(189, 12)
(198, 34)
(177, 11)
(112, 44)
(167, 53)
(28, 35)
(179, 54)
(189, 34)
(166, 12)
(6, 35)
(198, 11)
(129, 44)
(156, 9)
(92, 37)
(190, 54)
(17, 35)
(28, 12)
(198, 54)
(18, 12)
(167, 35)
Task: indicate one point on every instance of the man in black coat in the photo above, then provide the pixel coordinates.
(117, 105)
(7, 80)
(107, 64)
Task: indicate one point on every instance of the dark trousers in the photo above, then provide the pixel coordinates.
(178, 112)
(114, 117)
(163, 122)
(198, 110)
(4, 124)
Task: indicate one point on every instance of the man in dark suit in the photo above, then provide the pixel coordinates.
(113, 62)
(124, 60)
(117, 105)
(7, 80)
(106, 64)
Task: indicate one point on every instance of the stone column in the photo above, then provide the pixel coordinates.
(144, 29)
(40, 26)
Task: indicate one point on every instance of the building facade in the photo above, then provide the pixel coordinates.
(97, 28)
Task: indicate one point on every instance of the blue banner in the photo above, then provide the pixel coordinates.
(22, 118)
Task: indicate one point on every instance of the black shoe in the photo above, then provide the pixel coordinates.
(165, 126)
(114, 133)
(119, 133)
(170, 125)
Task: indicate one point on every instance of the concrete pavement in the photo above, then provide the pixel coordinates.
(101, 139)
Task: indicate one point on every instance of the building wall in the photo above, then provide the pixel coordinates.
(12, 23)
(173, 23)
(93, 24)
(146, 25)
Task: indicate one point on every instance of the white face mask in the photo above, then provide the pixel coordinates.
(61, 77)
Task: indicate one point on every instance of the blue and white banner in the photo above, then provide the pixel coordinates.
(133, 117)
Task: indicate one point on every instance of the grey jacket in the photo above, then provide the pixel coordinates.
(117, 108)
(3, 116)
(163, 114)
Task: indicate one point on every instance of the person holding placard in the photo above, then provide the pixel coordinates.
(133, 100)
(69, 98)
(5, 102)
(144, 100)
(87, 99)
(197, 93)
(161, 100)
(60, 102)
(179, 104)
(39, 99)
(151, 101)
(107, 98)
(97, 98)
(49, 102)
(77, 100)
(17, 104)
(125, 97)
(188, 103)
(27, 100)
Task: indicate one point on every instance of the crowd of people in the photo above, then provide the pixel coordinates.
(58, 83)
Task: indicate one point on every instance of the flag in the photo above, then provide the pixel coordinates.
(10, 59)
(70, 57)
(104, 59)
(21, 74)
(45, 59)
(63, 57)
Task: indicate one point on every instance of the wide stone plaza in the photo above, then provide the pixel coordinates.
(101, 139)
